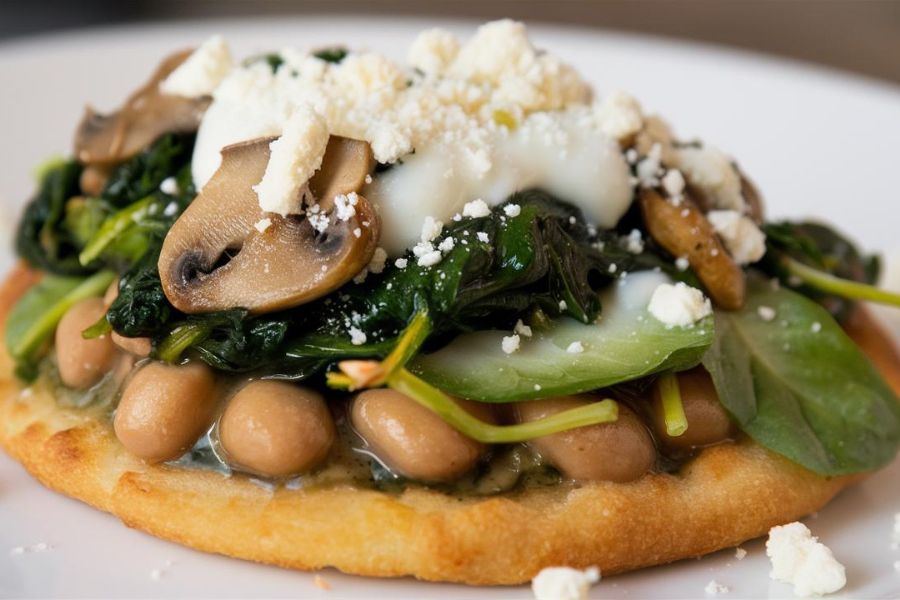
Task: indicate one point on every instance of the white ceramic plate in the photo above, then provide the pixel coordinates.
(816, 142)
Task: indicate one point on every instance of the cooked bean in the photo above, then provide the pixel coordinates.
(140, 346)
(708, 423)
(684, 231)
(619, 451)
(412, 440)
(82, 363)
(276, 429)
(165, 409)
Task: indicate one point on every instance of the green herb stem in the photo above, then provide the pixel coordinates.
(845, 288)
(441, 404)
(115, 226)
(673, 409)
(40, 330)
(98, 329)
(180, 339)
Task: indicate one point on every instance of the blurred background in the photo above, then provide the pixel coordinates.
(862, 36)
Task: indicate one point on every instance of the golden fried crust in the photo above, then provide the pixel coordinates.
(728, 494)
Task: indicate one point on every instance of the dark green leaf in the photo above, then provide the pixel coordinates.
(799, 386)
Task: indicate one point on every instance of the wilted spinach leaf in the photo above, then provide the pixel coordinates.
(42, 238)
(799, 386)
(823, 248)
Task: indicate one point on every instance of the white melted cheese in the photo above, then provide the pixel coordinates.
(558, 152)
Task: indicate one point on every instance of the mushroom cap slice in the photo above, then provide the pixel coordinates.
(146, 115)
(683, 230)
(214, 257)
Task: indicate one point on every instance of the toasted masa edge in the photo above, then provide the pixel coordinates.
(726, 495)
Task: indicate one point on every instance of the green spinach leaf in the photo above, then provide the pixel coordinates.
(625, 344)
(799, 386)
(821, 247)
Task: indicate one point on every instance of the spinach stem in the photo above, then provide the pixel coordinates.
(846, 288)
(180, 339)
(114, 226)
(673, 409)
(356, 374)
(443, 405)
(43, 328)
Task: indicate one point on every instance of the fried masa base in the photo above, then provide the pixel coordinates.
(726, 495)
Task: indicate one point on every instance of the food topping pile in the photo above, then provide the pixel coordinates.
(464, 271)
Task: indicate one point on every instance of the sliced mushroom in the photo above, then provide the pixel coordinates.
(106, 140)
(755, 205)
(682, 230)
(215, 257)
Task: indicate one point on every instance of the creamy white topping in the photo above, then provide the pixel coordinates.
(461, 122)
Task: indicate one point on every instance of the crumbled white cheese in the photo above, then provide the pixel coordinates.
(522, 329)
(501, 56)
(619, 116)
(295, 157)
(682, 263)
(563, 305)
(740, 553)
(673, 183)
(401, 263)
(712, 172)
(678, 304)
(263, 224)
(169, 186)
(476, 208)
(201, 73)
(816, 327)
(744, 240)
(512, 210)
(575, 348)
(447, 244)
(766, 313)
(800, 559)
(510, 343)
(714, 588)
(433, 51)
(431, 228)
(634, 243)
(650, 167)
(482, 237)
(564, 583)
(345, 206)
(379, 258)
(357, 336)
(430, 259)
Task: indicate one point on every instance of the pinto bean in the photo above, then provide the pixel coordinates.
(619, 451)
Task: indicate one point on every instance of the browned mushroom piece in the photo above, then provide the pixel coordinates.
(215, 258)
(682, 230)
(106, 140)
(755, 205)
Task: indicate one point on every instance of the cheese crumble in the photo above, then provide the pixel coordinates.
(564, 583)
(800, 559)
(295, 157)
(679, 304)
(202, 72)
(510, 343)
